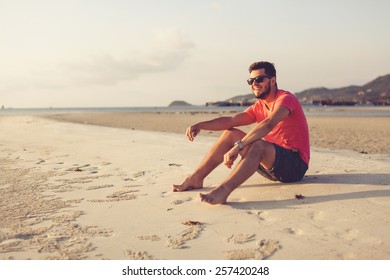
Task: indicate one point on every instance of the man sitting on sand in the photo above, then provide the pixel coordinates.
(277, 147)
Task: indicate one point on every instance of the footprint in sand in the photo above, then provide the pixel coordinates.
(123, 195)
(241, 238)
(142, 176)
(149, 237)
(180, 201)
(118, 196)
(179, 242)
(261, 215)
(264, 249)
(131, 255)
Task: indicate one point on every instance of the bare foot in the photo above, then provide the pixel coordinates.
(218, 195)
(188, 184)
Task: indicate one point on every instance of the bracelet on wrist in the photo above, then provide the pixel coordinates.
(239, 145)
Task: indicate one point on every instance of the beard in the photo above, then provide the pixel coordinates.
(264, 94)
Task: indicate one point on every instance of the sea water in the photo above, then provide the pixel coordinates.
(309, 110)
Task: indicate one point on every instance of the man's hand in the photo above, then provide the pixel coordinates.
(231, 156)
(192, 131)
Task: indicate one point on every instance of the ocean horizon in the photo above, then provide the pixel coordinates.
(310, 110)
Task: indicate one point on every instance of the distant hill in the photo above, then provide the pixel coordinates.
(179, 103)
(375, 92)
(241, 98)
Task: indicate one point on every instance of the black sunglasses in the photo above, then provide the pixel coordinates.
(258, 79)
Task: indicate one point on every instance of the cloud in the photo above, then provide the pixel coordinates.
(165, 51)
(168, 50)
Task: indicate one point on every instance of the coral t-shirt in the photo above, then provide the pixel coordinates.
(292, 132)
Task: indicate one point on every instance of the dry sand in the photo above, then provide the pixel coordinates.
(75, 191)
(357, 133)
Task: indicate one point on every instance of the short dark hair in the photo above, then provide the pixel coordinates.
(268, 67)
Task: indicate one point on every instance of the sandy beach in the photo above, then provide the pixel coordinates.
(356, 133)
(77, 191)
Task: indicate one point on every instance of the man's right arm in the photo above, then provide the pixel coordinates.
(222, 123)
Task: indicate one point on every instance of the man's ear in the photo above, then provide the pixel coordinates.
(273, 81)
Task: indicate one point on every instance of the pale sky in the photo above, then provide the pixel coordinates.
(126, 53)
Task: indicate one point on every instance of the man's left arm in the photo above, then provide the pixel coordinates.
(266, 126)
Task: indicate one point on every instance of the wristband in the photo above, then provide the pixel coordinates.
(240, 145)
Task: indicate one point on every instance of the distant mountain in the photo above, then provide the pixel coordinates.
(179, 103)
(241, 98)
(375, 92)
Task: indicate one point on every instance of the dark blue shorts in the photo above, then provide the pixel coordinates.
(288, 167)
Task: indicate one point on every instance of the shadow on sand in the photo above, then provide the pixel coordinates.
(321, 179)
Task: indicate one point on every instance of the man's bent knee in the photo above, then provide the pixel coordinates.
(262, 146)
(234, 134)
(265, 151)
